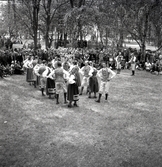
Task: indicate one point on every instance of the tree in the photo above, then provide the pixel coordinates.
(137, 18)
(49, 10)
(27, 12)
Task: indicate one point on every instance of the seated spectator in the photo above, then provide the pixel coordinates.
(155, 68)
(147, 66)
(139, 65)
(18, 68)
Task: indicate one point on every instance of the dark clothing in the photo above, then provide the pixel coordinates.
(30, 75)
(73, 92)
(93, 84)
(50, 86)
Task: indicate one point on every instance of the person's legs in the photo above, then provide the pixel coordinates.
(57, 92)
(75, 103)
(69, 105)
(57, 98)
(101, 90)
(85, 81)
(64, 87)
(107, 87)
(42, 86)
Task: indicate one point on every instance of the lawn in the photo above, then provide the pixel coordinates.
(125, 131)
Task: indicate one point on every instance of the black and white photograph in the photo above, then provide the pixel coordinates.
(80, 83)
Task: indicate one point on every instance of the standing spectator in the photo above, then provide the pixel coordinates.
(133, 63)
(118, 63)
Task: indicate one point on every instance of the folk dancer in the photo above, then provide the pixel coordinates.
(105, 74)
(93, 84)
(60, 75)
(40, 73)
(86, 71)
(50, 84)
(28, 64)
(36, 69)
(73, 87)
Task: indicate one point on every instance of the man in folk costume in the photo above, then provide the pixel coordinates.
(60, 75)
(86, 71)
(133, 63)
(106, 74)
(40, 73)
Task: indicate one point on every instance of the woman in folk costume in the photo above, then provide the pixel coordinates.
(93, 84)
(106, 74)
(60, 75)
(133, 63)
(35, 62)
(29, 66)
(40, 73)
(73, 87)
(118, 63)
(50, 84)
(36, 69)
(86, 71)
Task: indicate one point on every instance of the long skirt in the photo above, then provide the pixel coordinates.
(78, 80)
(50, 86)
(30, 75)
(73, 92)
(93, 84)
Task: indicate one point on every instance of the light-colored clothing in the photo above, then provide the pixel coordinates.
(86, 71)
(104, 87)
(133, 63)
(147, 66)
(60, 76)
(106, 74)
(39, 71)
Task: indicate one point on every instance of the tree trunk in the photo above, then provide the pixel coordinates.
(143, 41)
(121, 38)
(106, 36)
(143, 51)
(65, 39)
(36, 4)
(47, 32)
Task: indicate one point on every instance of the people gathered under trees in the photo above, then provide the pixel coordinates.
(11, 61)
(71, 69)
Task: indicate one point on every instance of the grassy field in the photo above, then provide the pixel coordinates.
(125, 131)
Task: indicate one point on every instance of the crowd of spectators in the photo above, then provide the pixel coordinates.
(11, 61)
